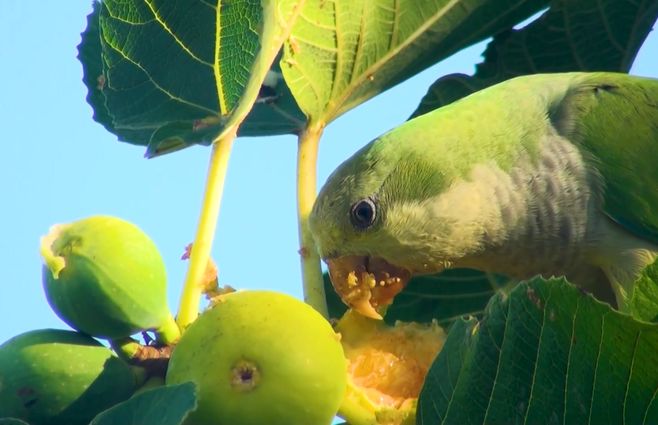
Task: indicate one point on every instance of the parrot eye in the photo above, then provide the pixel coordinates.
(363, 213)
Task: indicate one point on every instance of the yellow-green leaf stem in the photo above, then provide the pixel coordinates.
(126, 348)
(169, 332)
(307, 155)
(189, 303)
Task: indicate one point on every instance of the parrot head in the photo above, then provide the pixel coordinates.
(371, 225)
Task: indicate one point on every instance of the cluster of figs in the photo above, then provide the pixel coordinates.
(255, 356)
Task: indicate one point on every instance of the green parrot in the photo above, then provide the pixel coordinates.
(550, 174)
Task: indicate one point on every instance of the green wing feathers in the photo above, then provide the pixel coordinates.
(613, 118)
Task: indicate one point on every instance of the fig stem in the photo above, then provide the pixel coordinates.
(190, 298)
(153, 360)
(126, 348)
(169, 332)
(307, 158)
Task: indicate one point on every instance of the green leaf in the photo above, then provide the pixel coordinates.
(12, 421)
(446, 297)
(644, 300)
(335, 306)
(276, 112)
(343, 52)
(168, 74)
(584, 35)
(159, 406)
(89, 54)
(545, 353)
(443, 297)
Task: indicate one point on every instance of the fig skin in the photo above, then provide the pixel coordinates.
(56, 377)
(105, 277)
(261, 357)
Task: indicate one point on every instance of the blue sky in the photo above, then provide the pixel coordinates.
(58, 165)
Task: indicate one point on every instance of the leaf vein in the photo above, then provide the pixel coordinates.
(498, 361)
(630, 374)
(596, 367)
(169, 31)
(158, 86)
(654, 397)
(606, 26)
(570, 38)
(221, 96)
(212, 6)
(571, 344)
(539, 349)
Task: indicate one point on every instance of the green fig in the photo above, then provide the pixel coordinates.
(261, 357)
(105, 277)
(57, 377)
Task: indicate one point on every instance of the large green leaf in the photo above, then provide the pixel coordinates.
(583, 35)
(159, 406)
(545, 353)
(443, 297)
(89, 54)
(644, 299)
(447, 296)
(12, 421)
(275, 112)
(342, 52)
(168, 74)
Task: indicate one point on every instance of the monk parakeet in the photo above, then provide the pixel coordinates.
(553, 174)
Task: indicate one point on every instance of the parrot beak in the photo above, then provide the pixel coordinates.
(365, 283)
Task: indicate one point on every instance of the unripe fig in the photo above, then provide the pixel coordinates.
(105, 277)
(57, 377)
(261, 357)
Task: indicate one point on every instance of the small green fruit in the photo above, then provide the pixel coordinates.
(261, 357)
(57, 377)
(105, 277)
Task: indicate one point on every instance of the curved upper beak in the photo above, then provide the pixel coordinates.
(366, 284)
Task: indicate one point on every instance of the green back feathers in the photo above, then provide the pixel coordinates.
(614, 119)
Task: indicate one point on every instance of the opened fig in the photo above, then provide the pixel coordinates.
(387, 366)
(105, 277)
(56, 377)
(261, 357)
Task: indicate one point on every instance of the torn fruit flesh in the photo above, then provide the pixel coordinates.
(366, 284)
